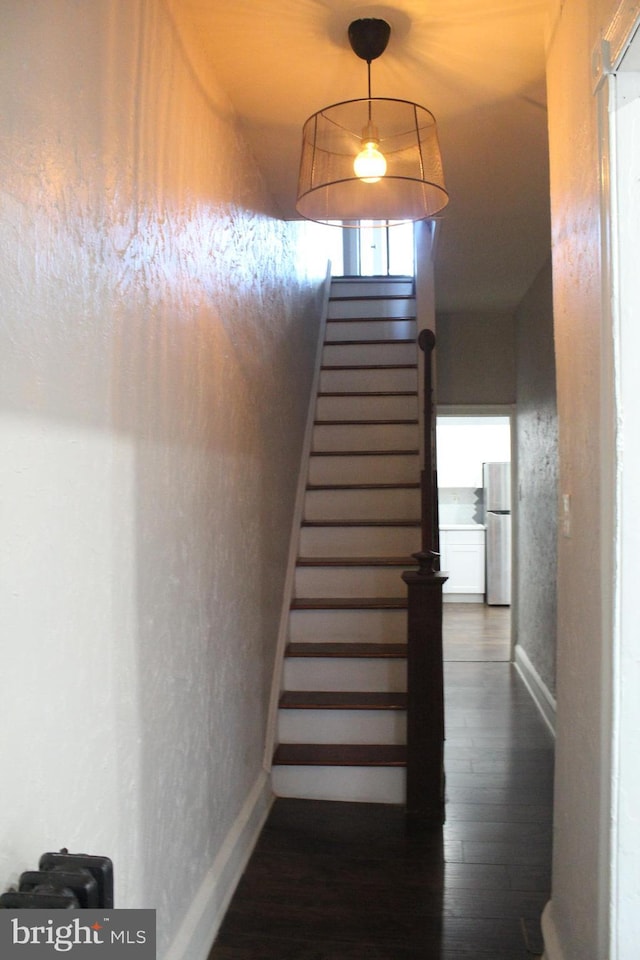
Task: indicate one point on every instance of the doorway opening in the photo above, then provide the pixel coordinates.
(477, 618)
(369, 251)
(622, 206)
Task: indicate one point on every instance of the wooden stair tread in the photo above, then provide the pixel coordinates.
(370, 366)
(364, 453)
(401, 485)
(387, 342)
(357, 562)
(363, 303)
(342, 700)
(373, 296)
(364, 423)
(367, 393)
(341, 754)
(410, 318)
(361, 523)
(369, 651)
(349, 603)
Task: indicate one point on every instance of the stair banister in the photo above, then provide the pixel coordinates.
(425, 681)
(429, 481)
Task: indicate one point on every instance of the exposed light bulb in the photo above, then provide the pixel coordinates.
(370, 165)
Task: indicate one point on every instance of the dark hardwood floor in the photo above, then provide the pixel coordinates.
(344, 881)
(474, 631)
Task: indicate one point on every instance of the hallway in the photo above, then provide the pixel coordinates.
(342, 881)
(475, 631)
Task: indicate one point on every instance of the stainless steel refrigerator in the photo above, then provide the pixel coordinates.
(497, 507)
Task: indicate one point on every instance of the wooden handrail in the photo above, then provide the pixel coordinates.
(429, 479)
(425, 679)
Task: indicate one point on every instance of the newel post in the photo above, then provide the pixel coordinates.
(425, 691)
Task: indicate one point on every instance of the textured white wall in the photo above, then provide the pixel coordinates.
(578, 918)
(537, 494)
(475, 358)
(157, 337)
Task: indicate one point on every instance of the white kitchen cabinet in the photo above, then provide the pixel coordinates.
(462, 551)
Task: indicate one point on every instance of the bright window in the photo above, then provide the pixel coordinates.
(378, 251)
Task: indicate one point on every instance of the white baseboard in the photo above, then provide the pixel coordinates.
(448, 597)
(543, 699)
(552, 948)
(200, 925)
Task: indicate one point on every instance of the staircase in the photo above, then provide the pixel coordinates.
(342, 710)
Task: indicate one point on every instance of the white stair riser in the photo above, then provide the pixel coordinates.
(364, 626)
(368, 436)
(372, 288)
(359, 541)
(371, 380)
(372, 308)
(396, 503)
(367, 330)
(350, 582)
(339, 673)
(362, 354)
(362, 469)
(356, 784)
(367, 408)
(342, 726)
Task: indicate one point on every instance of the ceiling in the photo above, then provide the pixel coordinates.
(478, 65)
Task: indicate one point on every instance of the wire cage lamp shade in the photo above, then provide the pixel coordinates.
(375, 159)
(411, 188)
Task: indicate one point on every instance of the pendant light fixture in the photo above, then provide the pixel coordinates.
(373, 159)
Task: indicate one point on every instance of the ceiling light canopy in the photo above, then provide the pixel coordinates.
(373, 159)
